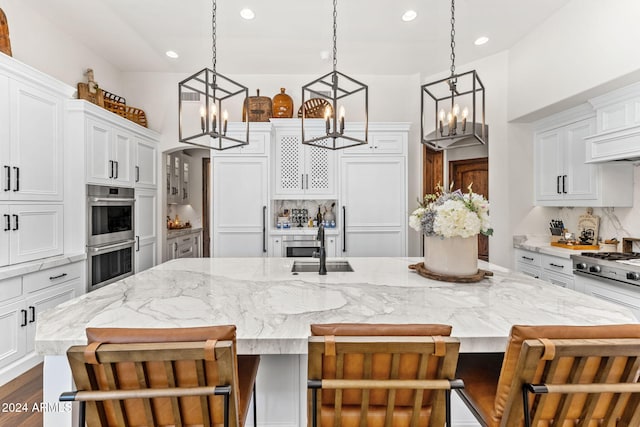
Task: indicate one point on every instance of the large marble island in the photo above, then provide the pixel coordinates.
(273, 308)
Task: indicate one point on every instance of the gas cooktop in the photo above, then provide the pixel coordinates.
(622, 267)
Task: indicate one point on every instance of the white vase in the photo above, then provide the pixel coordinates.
(453, 256)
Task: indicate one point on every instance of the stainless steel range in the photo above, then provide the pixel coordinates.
(620, 267)
(610, 276)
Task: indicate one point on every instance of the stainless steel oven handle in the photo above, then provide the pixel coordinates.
(111, 199)
(124, 244)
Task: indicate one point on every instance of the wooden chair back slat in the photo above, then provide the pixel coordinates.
(156, 366)
(367, 374)
(169, 369)
(143, 381)
(391, 394)
(595, 366)
(371, 351)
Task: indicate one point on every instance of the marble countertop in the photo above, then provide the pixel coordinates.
(310, 231)
(273, 307)
(41, 264)
(541, 244)
(177, 232)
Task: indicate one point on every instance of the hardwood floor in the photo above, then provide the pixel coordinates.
(18, 397)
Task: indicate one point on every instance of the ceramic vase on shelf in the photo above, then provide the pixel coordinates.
(453, 256)
(282, 105)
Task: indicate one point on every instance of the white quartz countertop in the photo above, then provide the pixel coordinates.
(542, 245)
(273, 308)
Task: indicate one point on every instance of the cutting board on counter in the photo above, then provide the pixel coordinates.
(576, 247)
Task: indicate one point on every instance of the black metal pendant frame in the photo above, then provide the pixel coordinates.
(456, 87)
(335, 137)
(217, 90)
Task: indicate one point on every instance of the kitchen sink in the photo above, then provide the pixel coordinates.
(313, 267)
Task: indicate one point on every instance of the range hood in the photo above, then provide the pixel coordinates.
(619, 144)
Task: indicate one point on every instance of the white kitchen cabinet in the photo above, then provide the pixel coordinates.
(178, 177)
(188, 244)
(31, 142)
(146, 164)
(240, 201)
(275, 246)
(109, 154)
(550, 268)
(30, 232)
(146, 219)
(529, 263)
(23, 299)
(301, 171)
(618, 293)
(373, 198)
(331, 246)
(562, 178)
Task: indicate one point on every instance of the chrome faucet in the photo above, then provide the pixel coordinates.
(322, 253)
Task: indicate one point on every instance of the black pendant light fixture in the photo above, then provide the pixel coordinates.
(458, 107)
(335, 94)
(203, 100)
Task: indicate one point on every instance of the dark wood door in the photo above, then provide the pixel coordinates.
(473, 171)
(432, 171)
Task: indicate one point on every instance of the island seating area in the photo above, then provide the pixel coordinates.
(273, 309)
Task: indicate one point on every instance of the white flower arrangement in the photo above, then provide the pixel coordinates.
(452, 214)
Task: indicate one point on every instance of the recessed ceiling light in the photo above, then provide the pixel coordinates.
(409, 15)
(171, 54)
(247, 13)
(481, 40)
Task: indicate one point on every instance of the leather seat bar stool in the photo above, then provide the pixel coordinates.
(557, 376)
(381, 375)
(153, 377)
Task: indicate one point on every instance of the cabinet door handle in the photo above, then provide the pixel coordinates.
(116, 177)
(24, 318)
(7, 187)
(137, 173)
(185, 251)
(7, 218)
(32, 310)
(59, 276)
(302, 183)
(264, 229)
(137, 243)
(527, 258)
(17, 178)
(111, 168)
(16, 226)
(344, 229)
(558, 184)
(307, 176)
(564, 184)
(556, 265)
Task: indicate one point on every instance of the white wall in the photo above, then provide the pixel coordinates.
(38, 43)
(585, 45)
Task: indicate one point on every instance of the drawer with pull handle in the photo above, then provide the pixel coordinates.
(53, 276)
(527, 257)
(557, 264)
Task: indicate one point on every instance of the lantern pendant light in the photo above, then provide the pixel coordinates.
(204, 98)
(340, 94)
(458, 107)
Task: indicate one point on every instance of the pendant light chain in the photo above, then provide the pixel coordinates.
(214, 57)
(335, 31)
(453, 35)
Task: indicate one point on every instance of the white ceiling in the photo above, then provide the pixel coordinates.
(287, 36)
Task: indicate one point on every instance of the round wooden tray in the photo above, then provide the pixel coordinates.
(424, 272)
(314, 108)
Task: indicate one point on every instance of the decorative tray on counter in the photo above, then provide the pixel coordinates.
(576, 246)
(424, 272)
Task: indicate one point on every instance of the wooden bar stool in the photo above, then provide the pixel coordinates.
(557, 376)
(381, 375)
(153, 377)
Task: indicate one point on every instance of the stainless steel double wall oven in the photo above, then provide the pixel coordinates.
(110, 234)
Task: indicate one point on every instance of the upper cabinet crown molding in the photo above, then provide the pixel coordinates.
(564, 118)
(86, 107)
(21, 71)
